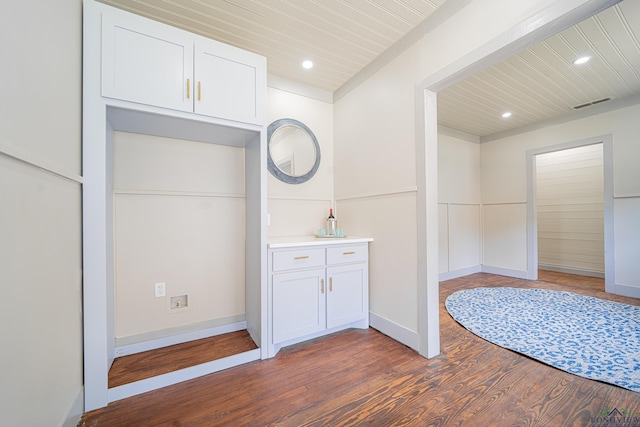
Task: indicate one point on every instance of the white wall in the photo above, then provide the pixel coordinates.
(375, 142)
(179, 213)
(300, 209)
(40, 213)
(504, 191)
(375, 186)
(459, 207)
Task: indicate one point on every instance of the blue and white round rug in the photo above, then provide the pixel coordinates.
(586, 336)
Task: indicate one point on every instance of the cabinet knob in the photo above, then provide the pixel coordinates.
(199, 90)
(330, 284)
(302, 257)
(322, 285)
(188, 88)
(348, 253)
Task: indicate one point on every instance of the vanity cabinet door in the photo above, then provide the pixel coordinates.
(347, 294)
(298, 304)
(229, 83)
(146, 62)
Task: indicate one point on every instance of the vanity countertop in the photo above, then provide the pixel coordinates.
(297, 241)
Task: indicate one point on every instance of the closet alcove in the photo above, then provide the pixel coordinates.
(120, 99)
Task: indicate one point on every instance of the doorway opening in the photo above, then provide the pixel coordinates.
(570, 209)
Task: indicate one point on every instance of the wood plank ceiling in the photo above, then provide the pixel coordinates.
(342, 37)
(542, 83)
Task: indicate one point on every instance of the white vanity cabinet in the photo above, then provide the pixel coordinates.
(147, 62)
(316, 287)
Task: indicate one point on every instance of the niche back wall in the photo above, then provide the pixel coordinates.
(179, 220)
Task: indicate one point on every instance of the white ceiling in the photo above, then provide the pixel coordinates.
(342, 37)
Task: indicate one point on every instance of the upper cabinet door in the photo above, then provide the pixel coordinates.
(229, 83)
(146, 62)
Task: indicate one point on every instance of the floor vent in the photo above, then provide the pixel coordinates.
(588, 104)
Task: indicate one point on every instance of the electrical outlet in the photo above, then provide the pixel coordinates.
(160, 289)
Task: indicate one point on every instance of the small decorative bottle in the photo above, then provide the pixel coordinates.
(332, 224)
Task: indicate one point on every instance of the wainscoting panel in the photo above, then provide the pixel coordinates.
(391, 220)
(443, 238)
(627, 238)
(195, 245)
(464, 236)
(460, 237)
(505, 236)
(41, 270)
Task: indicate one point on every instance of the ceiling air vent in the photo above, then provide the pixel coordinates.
(588, 104)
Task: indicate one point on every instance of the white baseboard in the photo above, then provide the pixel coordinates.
(459, 273)
(519, 274)
(626, 290)
(272, 350)
(619, 289)
(125, 350)
(572, 270)
(76, 411)
(399, 333)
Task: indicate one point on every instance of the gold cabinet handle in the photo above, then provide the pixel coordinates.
(302, 257)
(188, 88)
(330, 284)
(322, 285)
(348, 253)
(199, 90)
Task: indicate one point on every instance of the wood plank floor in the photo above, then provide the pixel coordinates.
(140, 366)
(361, 377)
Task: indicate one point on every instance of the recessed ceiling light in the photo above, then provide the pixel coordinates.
(307, 65)
(507, 114)
(581, 60)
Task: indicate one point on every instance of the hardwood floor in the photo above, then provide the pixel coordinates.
(140, 366)
(361, 377)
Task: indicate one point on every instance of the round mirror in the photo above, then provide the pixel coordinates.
(294, 153)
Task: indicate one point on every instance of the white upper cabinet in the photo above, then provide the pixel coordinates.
(151, 63)
(229, 82)
(146, 62)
